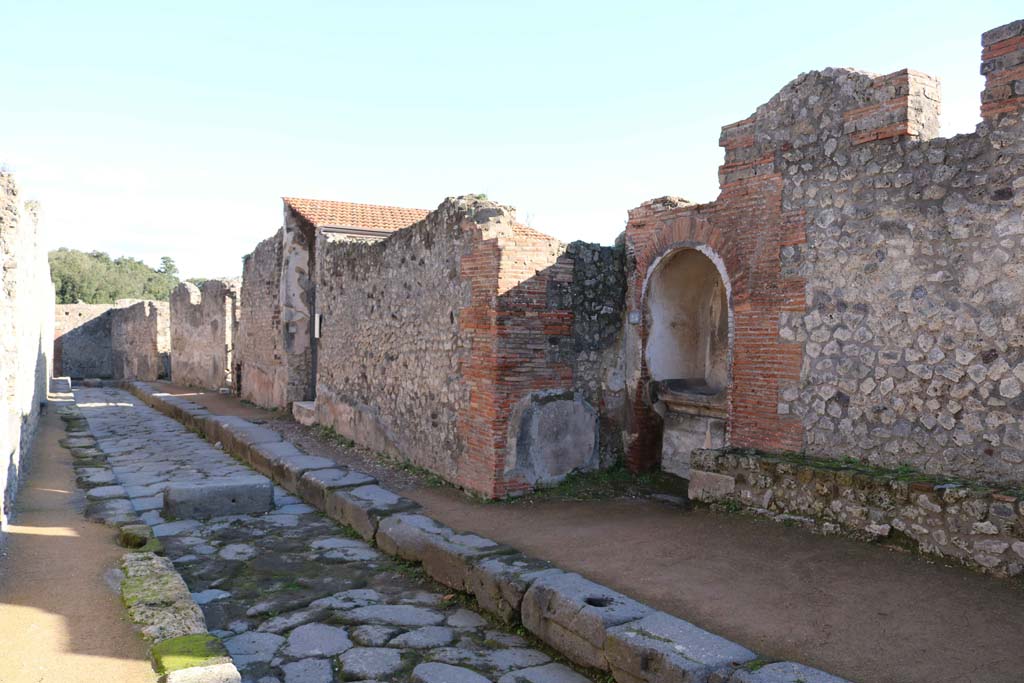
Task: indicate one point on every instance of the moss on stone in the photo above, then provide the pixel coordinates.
(185, 652)
(135, 536)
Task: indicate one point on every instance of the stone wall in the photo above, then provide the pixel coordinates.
(472, 346)
(297, 301)
(259, 350)
(26, 305)
(204, 323)
(977, 526)
(390, 349)
(82, 344)
(128, 339)
(140, 340)
(875, 272)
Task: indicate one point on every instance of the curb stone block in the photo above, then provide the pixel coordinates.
(499, 583)
(262, 457)
(112, 512)
(785, 672)
(446, 556)
(573, 615)
(660, 647)
(709, 487)
(316, 485)
(363, 507)
(217, 673)
(158, 599)
(288, 470)
(234, 496)
(196, 418)
(201, 650)
(239, 436)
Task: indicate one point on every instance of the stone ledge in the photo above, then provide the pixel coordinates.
(447, 556)
(363, 507)
(980, 527)
(232, 496)
(304, 412)
(315, 486)
(574, 615)
(660, 647)
(588, 623)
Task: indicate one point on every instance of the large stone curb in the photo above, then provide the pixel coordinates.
(588, 623)
(573, 615)
(447, 557)
(160, 604)
(661, 647)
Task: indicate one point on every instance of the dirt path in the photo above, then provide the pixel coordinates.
(856, 610)
(59, 618)
(860, 611)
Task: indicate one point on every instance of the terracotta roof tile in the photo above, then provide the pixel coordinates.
(321, 213)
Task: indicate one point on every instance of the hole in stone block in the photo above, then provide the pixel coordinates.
(598, 601)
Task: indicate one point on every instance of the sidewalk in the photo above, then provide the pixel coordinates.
(60, 619)
(864, 612)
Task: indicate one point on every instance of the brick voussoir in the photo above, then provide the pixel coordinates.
(588, 623)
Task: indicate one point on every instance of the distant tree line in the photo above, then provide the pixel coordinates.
(95, 278)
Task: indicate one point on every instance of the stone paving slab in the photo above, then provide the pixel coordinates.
(582, 620)
(292, 594)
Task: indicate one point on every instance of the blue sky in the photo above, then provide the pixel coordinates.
(152, 128)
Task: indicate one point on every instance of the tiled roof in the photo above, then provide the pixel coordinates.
(321, 213)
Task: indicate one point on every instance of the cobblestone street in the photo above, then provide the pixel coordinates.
(295, 597)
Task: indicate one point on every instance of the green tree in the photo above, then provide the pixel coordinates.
(95, 278)
(168, 267)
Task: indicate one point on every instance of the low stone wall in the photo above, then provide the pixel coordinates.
(128, 339)
(204, 323)
(82, 342)
(141, 340)
(976, 525)
(26, 305)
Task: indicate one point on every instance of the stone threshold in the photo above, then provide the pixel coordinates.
(586, 622)
(154, 594)
(978, 526)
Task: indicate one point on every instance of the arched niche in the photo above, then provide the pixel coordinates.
(688, 323)
(688, 352)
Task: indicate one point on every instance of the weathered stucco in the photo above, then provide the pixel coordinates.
(26, 306)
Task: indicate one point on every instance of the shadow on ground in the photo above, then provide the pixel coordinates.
(61, 620)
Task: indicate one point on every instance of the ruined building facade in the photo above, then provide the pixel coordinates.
(872, 276)
(204, 325)
(853, 292)
(128, 339)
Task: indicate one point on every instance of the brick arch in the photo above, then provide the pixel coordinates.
(746, 228)
(663, 257)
